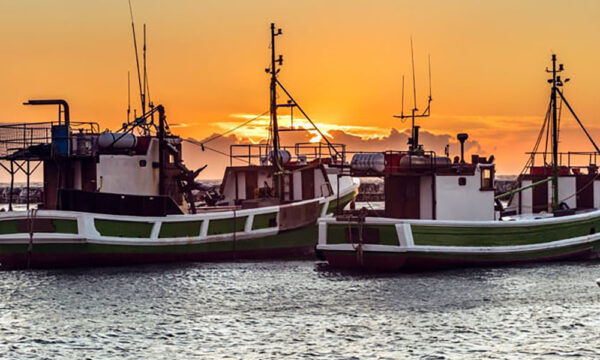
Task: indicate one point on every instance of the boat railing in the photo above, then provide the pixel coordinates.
(394, 162)
(570, 162)
(258, 154)
(17, 137)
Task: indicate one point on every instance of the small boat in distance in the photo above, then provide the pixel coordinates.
(126, 197)
(441, 213)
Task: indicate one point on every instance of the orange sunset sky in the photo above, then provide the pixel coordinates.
(343, 61)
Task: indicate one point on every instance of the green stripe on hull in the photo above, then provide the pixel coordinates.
(178, 229)
(386, 234)
(131, 229)
(226, 226)
(63, 226)
(264, 221)
(502, 235)
(482, 256)
(9, 227)
(302, 237)
(344, 200)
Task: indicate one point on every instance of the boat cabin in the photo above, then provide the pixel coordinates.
(306, 174)
(422, 185)
(578, 184)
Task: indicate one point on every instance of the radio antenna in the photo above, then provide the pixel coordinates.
(402, 113)
(128, 96)
(413, 141)
(145, 72)
(429, 63)
(137, 60)
(412, 56)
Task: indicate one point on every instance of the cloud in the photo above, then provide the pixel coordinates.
(214, 151)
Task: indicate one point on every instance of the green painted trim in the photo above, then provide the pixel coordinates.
(226, 226)
(344, 200)
(502, 235)
(264, 221)
(132, 229)
(9, 227)
(302, 237)
(63, 226)
(178, 229)
(336, 234)
(481, 256)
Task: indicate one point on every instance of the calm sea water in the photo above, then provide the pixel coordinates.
(277, 310)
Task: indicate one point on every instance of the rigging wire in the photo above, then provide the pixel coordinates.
(197, 143)
(137, 60)
(234, 129)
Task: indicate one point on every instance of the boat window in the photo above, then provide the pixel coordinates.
(487, 179)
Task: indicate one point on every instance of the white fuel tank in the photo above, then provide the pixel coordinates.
(117, 140)
(284, 155)
(368, 161)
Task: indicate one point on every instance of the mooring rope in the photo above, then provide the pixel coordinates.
(31, 215)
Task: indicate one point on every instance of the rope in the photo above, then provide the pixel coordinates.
(31, 214)
(359, 246)
(580, 190)
(234, 129)
(234, 232)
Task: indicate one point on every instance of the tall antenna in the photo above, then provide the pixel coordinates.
(128, 96)
(412, 58)
(402, 113)
(556, 82)
(137, 60)
(413, 141)
(145, 73)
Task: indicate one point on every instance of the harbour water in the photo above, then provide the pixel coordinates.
(300, 309)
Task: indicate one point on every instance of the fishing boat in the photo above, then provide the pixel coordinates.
(442, 213)
(127, 197)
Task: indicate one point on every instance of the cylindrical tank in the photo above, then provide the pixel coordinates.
(117, 140)
(284, 156)
(368, 161)
(415, 160)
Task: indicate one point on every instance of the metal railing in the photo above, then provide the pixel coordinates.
(258, 154)
(15, 137)
(574, 161)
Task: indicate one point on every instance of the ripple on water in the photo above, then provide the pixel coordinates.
(300, 310)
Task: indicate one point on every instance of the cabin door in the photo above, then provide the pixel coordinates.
(251, 184)
(585, 191)
(402, 197)
(539, 196)
(308, 184)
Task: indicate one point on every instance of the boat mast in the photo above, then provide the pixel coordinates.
(413, 142)
(273, 71)
(556, 82)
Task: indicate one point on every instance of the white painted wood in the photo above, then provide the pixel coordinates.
(567, 187)
(297, 185)
(426, 198)
(404, 232)
(526, 198)
(458, 202)
(466, 249)
(597, 194)
(122, 174)
(322, 233)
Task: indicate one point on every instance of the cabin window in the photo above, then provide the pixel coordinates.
(487, 179)
(462, 181)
